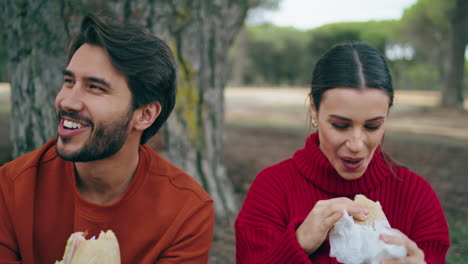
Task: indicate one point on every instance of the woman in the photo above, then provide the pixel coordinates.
(291, 206)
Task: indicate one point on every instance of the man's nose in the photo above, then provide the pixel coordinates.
(71, 98)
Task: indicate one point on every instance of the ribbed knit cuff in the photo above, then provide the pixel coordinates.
(434, 251)
(289, 250)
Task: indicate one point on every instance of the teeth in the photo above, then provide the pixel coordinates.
(71, 124)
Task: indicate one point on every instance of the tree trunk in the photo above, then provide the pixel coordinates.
(239, 66)
(200, 32)
(452, 93)
(35, 35)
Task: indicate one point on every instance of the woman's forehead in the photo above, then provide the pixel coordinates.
(346, 101)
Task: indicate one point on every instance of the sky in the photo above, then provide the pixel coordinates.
(306, 14)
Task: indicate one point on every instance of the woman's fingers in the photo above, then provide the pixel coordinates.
(339, 204)
(414, 253)
(394, 240)
(330, 221)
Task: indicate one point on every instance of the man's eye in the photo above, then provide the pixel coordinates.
(92, 86)
(67, 80)
(373, 127)
(340, 126)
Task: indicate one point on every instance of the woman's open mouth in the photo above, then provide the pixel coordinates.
(352, 163)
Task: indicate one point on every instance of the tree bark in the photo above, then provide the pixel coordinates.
(452, 92)
(35, 35)
(238, 67)
(200, 32)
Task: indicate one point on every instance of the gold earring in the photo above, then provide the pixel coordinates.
(314, 123)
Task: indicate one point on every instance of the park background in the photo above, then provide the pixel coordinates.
(243, 88)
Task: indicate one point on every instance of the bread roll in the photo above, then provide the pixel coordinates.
(104, 250)
(374, 208)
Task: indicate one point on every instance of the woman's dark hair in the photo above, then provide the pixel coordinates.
(350, 64)
(146, 60)
(353, 65)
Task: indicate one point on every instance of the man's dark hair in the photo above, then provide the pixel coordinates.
(146, 60)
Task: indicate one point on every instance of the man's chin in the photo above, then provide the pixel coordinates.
(64, 151)
(66, 155)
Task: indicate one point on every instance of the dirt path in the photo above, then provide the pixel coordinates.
(414, 111)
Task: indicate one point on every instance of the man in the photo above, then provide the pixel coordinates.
(118, 89)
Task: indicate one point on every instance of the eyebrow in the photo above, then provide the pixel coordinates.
(91, 79)
(349, 120)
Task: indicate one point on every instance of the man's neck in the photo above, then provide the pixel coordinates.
(105, 181)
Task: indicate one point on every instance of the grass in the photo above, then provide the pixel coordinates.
(5, 109)
(458, 252)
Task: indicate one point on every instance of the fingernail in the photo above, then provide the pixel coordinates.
(364, 216)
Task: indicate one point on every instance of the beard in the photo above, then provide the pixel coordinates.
(105, 140)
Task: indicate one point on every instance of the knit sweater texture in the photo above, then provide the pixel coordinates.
(282, 195)
(164, 216)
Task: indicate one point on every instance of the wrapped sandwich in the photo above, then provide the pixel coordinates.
(375, 214)
(354, 242)
(103, 250)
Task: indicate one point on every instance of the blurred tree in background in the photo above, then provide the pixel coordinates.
(272, 55)
(438, 31)
(35, 35)
(424, 50)
(452, 93)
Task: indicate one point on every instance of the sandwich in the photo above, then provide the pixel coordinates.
(375, 211)
(103, 250)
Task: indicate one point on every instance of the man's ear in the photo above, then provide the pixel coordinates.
(146, 115)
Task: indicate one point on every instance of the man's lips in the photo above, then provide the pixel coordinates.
(68, 127)
(352, 163)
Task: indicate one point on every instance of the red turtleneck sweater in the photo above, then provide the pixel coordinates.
(282, 195)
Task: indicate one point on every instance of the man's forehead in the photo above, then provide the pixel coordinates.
(93, 61)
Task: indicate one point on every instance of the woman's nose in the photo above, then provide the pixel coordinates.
(355, 143)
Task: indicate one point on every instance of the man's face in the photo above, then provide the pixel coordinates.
(93, 107)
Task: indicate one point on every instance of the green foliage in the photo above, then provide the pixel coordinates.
(286, 56)
(376, 33)
(425, 25)
(276, 55)
(458, 233)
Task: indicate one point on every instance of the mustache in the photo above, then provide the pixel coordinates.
(75, 116)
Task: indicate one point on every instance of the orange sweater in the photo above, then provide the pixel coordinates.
(163, 217)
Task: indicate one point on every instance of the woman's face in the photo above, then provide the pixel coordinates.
(351, 124)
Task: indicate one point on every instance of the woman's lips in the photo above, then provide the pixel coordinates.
(352, 163)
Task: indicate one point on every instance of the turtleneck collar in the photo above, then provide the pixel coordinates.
(316, 168)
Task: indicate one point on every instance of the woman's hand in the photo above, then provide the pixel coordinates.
(314, 230)
(415, 254)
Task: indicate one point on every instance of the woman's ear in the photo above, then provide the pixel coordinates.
(146, 115)
(312, 109)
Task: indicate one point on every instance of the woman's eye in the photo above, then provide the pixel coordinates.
(373, 127)
(340, 126)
